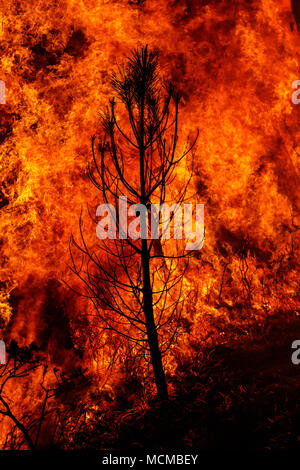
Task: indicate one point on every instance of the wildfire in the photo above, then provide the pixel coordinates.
(234, 63)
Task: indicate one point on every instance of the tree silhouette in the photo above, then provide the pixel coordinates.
(136, 282)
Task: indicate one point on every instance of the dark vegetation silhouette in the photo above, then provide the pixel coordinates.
(296, 12)
(28, 366)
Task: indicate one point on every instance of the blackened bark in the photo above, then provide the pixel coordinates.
(156, 359)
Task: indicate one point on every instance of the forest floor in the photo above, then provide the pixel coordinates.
(245, 397)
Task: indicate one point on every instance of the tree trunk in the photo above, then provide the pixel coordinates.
(159, 374)
(156, 359)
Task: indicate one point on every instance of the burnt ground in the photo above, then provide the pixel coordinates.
(242, 398)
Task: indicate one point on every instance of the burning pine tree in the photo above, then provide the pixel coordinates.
(136, 284)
